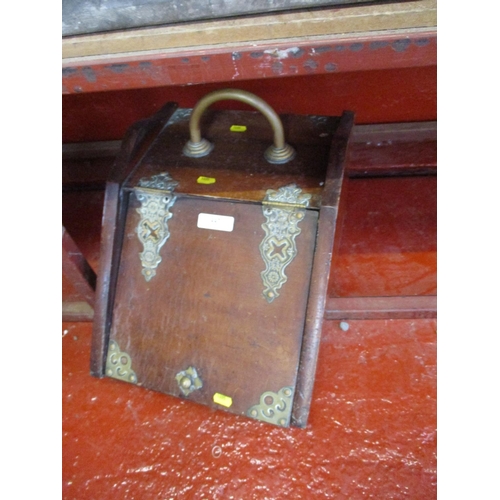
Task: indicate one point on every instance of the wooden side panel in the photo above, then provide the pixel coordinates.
(106, 278)
(321, 269)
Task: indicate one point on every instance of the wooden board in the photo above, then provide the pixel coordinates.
(257, 29)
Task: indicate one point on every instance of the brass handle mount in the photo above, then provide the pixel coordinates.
(197, 147)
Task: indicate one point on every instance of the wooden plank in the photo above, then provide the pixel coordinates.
(387, 158)
(88, 150)
(265, 59)
(77, 311)
(327, 22)
(81, 278)
(320, 272)
(77, 269)
(419, 306)
(395, 132)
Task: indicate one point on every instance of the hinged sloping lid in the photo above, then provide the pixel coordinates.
(236, 168)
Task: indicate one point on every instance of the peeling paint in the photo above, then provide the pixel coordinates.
(117, 68)
(256, 55)
(378, 45)
(235, 66)
(236, 56)
(356, 47)
(66, 72)
(325, 48)
(277, 67)
(421, 42)
(297, 52)
(310, 64)
(89, 74)
(284, 54)
(401, 45)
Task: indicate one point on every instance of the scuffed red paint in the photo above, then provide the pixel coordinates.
(191, 66)
(382, 96)
(371, 433)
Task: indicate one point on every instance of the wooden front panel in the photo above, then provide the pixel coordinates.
(205, 307)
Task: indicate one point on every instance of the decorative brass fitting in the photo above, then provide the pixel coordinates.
(279, 152)
(189, 380)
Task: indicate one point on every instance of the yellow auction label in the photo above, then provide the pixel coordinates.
(222, 400)
(238, 128)
(205, 180)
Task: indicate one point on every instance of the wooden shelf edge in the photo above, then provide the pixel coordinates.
(297, 57)
(409, 307)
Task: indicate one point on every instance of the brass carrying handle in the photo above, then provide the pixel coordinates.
(196, 147)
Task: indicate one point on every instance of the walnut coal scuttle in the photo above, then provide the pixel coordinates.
(215, 255)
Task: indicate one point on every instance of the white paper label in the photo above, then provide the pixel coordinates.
(216, 222)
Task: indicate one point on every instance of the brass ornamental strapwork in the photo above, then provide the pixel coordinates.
(274, 408)
(156, 197)
(119, 364)
(283, 210)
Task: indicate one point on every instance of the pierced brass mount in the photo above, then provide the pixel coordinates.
(283, 210)
(274, 408)
(156, 197)
(119, 364)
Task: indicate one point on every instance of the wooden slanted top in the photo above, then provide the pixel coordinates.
(236, 165)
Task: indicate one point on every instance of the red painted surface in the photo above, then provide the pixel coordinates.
(388, 240)
(387, 156)
(371, 433)
(81, 215)
(188, 66)
(379, 96)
